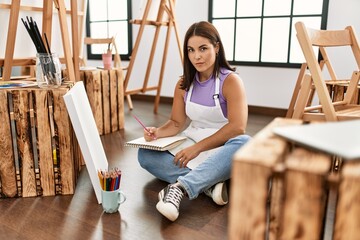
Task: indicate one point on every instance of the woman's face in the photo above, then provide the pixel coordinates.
(202, 55)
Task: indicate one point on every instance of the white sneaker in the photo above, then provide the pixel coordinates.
(169, 201)
(218, 193)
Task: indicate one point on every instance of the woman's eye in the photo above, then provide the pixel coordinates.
(203, 49)
(190, 50)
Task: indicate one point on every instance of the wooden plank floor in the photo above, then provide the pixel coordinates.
(79, 216)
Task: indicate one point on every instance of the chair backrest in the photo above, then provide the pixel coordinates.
(325, 39)
(310, 38)
(105, 41)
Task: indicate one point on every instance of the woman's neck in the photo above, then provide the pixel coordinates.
(203, 76)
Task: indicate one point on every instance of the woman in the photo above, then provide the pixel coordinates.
(213, 97)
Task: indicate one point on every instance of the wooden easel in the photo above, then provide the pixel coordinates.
(72, 63)
(165, 7)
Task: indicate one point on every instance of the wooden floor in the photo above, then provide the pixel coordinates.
(79, 216)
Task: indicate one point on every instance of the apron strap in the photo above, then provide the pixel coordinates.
(216, 95)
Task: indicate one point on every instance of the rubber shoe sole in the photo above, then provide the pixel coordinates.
(219, 194)
(166, 209)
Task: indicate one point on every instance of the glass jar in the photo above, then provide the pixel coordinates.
(48, 70)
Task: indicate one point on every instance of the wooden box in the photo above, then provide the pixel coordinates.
(105, 90)
(282, 191)
(39, 154)
(337, 90)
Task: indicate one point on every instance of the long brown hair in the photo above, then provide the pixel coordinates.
(206, 30)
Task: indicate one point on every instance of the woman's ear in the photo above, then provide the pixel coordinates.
(217, 48)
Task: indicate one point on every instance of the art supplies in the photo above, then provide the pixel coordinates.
(48, 68)
(35, 35)
(16, 84)
(110, 180)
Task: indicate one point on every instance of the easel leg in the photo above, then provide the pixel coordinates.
(136, 46)
(172, 16)
(65, 39)
(10, 43)
(151, 58)
(47, 20)
(128, 98)
(75, 40)
(166, 47)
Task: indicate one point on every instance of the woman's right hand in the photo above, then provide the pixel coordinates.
(150, 133)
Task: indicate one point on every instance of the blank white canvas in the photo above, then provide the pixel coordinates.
(83, 122)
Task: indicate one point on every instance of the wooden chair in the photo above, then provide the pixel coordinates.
(299, 82)
(327, 110)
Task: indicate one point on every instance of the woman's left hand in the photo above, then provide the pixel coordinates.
(183, 157)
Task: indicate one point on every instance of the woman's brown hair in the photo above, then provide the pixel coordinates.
(206, 30)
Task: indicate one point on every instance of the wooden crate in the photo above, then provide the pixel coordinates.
(337, 90)
(39, 154)
(105, 90)
(282, 191)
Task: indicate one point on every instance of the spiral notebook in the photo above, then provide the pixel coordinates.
(161, 144)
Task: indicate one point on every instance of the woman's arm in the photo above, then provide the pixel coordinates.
(177, 119)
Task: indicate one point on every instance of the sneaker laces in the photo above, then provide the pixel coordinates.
(174, 196)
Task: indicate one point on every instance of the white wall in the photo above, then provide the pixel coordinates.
(265, 86)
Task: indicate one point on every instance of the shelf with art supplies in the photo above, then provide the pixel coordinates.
(111, 195)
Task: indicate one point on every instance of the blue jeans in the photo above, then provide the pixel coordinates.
(215, 169)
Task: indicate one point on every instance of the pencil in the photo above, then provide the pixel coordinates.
(143, 125)
(101, 179)
(113, 180)
(106, 183)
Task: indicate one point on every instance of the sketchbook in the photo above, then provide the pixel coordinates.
(160, 144)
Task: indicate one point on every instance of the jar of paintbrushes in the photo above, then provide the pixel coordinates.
(48, 67)
(48, 70)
